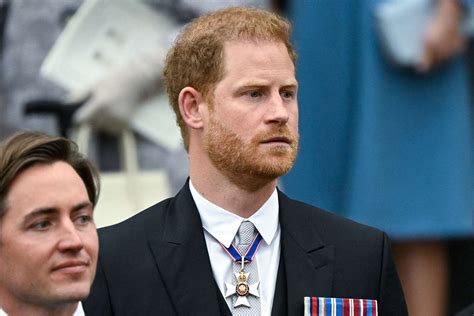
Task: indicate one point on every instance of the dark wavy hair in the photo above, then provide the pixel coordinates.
(23, 150)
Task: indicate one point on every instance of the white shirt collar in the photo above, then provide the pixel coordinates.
(78, 312)
(223, 225)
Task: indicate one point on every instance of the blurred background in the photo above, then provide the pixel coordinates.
(386, 112)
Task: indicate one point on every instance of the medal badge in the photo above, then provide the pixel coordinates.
(242, 289)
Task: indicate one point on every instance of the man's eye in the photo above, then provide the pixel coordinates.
(42, 225)
(287, 94)
(254, 94)
(83, 219)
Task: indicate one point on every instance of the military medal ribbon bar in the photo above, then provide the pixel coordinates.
(329, 306)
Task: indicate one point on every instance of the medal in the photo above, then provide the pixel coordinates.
(242, 289)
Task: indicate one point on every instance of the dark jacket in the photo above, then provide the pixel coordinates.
(156, 263)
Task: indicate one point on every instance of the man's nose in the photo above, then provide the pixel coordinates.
(70, 238)
(278, 111)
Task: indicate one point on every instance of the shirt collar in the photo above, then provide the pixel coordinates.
(79, 310)
(223, 225)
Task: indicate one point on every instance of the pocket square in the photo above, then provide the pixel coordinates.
(331, 306)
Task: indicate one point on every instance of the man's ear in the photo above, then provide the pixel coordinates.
(190, 105)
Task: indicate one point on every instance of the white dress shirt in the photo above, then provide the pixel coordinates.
(78, 312)
(221, 226)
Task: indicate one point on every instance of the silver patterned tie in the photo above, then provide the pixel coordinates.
(242, 242)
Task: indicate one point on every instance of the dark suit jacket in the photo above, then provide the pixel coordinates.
(156, 263)
(468, 311)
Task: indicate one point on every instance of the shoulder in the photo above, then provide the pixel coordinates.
(326, 222)
(350, 240)
(135, 228)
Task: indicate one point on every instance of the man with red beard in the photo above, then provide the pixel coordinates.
(230, 242)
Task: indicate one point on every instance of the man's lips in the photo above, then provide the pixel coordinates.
(71, 266)
(277, 139)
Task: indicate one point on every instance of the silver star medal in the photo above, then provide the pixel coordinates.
(242, 289)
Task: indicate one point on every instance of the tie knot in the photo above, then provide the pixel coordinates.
(246, 233)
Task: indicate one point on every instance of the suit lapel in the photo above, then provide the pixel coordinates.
(181, 256)
(280, 306)
(182, 259)
(308, 261)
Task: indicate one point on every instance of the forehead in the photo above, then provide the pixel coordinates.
(256, 58)
(254, 47)
(54, 185)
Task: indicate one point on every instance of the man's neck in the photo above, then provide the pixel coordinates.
(218, 189)
(29, 309)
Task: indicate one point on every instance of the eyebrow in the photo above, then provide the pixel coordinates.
(52, 210)
(80, 206)
(261, 84)
(291, 85)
